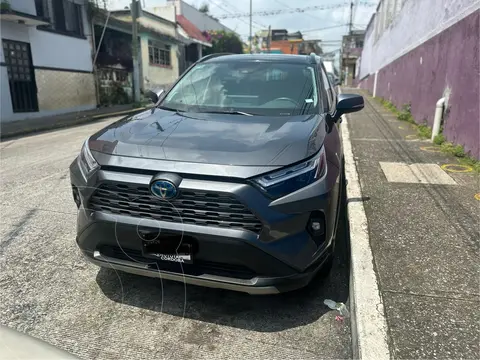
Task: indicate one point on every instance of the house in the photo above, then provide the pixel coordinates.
(158, 46)
(352, 45)
(281, 42)
(191, 36)
(45, 58)
(202, 21)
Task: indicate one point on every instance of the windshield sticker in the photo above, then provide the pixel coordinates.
(308, 101)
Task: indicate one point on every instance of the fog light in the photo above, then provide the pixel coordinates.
(316, 227)
(76, 196)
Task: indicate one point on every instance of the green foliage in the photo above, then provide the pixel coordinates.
(115, 95)
(224, 42)
(424, 131)
(456, 150)
(204, 8)
(4, 5)
(439, 139)
(406, 114)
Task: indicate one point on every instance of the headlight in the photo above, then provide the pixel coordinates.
(86, 161)
(288, 180)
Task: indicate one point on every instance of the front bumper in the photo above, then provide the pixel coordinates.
(257, 285)
(282, 256)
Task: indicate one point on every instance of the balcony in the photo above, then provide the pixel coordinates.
(20, 17)
(352, 53)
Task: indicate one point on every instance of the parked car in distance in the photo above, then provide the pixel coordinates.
(233, 179)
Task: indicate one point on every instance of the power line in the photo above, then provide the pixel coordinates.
(230, 15)
(324, 28)
(288, 7)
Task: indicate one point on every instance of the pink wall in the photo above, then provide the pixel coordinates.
(445, 65)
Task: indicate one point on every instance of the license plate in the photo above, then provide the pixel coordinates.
(180, 258)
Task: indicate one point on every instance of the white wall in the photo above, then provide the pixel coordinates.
(167, 11)
(416, 21)
(25, 6)
(200, 20)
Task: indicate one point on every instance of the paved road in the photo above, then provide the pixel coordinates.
(48, 291)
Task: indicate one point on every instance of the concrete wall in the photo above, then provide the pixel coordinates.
(73, 90)
(445, 64)
(157, 75)
(416, 22)
(166, 11)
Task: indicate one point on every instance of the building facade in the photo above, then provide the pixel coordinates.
(45, 57)
(159, 48)
(352, 46)
(418, 51)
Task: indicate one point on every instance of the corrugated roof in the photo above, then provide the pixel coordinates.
(191, 30)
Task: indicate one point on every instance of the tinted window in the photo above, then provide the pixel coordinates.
(260, 88)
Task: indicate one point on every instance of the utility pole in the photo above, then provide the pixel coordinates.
(350, 24)
(269, 38)
(251, 50)
(136, 69)
(348, 43)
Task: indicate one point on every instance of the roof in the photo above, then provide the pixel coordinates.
(191, 30)
(148, 13)
(298, 59)
(126, 26)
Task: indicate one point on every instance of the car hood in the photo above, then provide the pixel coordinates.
(213, 138)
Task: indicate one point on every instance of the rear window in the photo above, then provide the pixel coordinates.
(260, 88)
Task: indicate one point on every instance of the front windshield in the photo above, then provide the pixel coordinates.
(251, 87)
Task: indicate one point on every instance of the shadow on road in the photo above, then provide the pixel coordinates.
(269, 313)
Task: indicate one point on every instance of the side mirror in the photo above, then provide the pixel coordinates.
(348, 103)
(154, 95)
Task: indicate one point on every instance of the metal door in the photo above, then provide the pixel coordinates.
(21, 77)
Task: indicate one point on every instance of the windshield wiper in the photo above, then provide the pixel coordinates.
(170, 109)
(232, 112)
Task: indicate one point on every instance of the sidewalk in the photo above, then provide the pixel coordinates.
(423, 225)
(23, 127)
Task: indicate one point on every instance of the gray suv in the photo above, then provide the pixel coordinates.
(232, 180)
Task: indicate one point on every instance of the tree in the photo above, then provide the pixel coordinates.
(223, 42)
(204, 8)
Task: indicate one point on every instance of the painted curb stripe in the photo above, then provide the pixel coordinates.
(368, 323)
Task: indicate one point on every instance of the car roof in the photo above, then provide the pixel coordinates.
(284, 58)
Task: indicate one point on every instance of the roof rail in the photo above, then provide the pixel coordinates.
(314, 58)
(211, 56)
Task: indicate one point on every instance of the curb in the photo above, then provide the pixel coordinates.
(62, 124)
(368, 323)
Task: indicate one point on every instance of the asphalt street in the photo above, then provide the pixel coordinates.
(49, 291)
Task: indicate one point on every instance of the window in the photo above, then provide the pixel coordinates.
(328, 96)
(65, 15)
(158, 53)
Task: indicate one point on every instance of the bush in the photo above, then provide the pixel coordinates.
(223, 42)
(439, 139)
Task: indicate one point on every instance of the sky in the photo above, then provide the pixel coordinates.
(306, 22)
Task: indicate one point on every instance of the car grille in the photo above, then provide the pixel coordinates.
(190, 207)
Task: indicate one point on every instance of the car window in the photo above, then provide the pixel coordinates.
(327, 88)
(261, 88)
